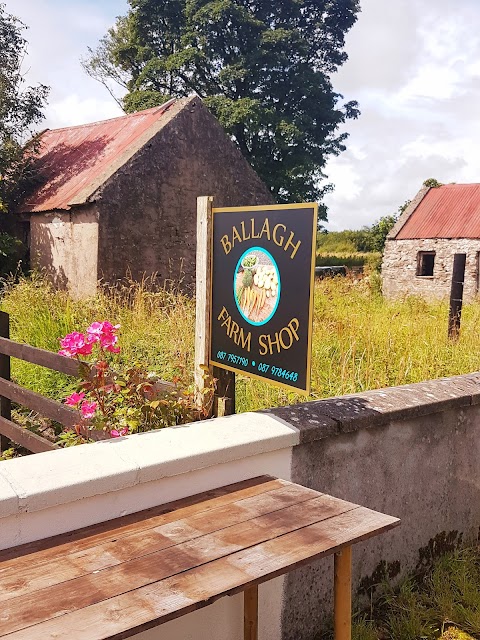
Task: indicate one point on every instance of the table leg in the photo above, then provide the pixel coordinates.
(250, 613)
(343, 594)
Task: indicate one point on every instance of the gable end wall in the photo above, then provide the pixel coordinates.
(148, 209)
(400, 264)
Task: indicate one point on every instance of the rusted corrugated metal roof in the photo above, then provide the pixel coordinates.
(449, 211)
(74, 162)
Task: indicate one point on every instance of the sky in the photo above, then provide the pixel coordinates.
(414, 68)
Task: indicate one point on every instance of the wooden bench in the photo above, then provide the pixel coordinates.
(121, 577)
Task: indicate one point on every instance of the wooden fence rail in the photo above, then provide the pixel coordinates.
(9, 391)
(41, 357)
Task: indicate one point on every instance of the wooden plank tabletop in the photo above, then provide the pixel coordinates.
(123, 576)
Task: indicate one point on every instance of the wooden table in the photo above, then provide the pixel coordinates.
(120, 577)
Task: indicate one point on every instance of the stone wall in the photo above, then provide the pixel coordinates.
(148, 209)
(399, 267)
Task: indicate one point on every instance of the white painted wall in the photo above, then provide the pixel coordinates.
(58, 491)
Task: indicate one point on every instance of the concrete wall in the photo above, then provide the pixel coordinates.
(400, 266)
(412, 452)
(65, 246)
(148, 209)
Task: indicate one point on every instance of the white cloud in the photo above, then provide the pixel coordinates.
(414, 69)
(58, 36)
(73, 110)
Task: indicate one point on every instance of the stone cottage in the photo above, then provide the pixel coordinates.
(120, 196)
(439, 222)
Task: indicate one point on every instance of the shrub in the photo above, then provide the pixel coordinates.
(120, 403)
(12, 251)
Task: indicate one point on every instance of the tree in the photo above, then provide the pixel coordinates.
(262, 67)
(20, 110)
(380, 230)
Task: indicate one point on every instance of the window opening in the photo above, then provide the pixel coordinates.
(425, 263)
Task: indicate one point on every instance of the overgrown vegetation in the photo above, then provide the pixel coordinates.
(365, 262)
(157, 335)
(360, 340)
(365, 240)
(443, 602)
(157, 327)
(358, 248)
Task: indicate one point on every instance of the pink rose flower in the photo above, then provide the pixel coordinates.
(115, 433)
(88, 409)
(74, 344)
(74, 399)
(99, 329)
(104, 332)
(108, 343)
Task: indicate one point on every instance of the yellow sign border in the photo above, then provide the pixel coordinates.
(270, 207)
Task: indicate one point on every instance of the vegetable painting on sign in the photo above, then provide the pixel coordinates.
(257, 285)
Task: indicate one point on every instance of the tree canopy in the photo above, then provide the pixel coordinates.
(263, 68)
(20, 111)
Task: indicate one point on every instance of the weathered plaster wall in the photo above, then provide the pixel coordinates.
(400, 265)
(148, 209)
(65, 246)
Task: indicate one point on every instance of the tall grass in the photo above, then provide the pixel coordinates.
(360, 340)
(444, 603)
(157, 326)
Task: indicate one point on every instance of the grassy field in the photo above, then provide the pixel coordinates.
(370, 261)
(157, 327)
(360, 340)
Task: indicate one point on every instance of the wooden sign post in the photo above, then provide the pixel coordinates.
(203, 288)
(224, 397)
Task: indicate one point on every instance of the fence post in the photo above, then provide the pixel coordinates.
(5, 404)
(456, 295)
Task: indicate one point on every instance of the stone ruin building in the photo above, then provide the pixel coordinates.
(439, 222)
(120, 195)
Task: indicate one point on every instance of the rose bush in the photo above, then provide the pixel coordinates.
(116, 403)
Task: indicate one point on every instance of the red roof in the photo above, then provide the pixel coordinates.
(74, 162)
(449, 211)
